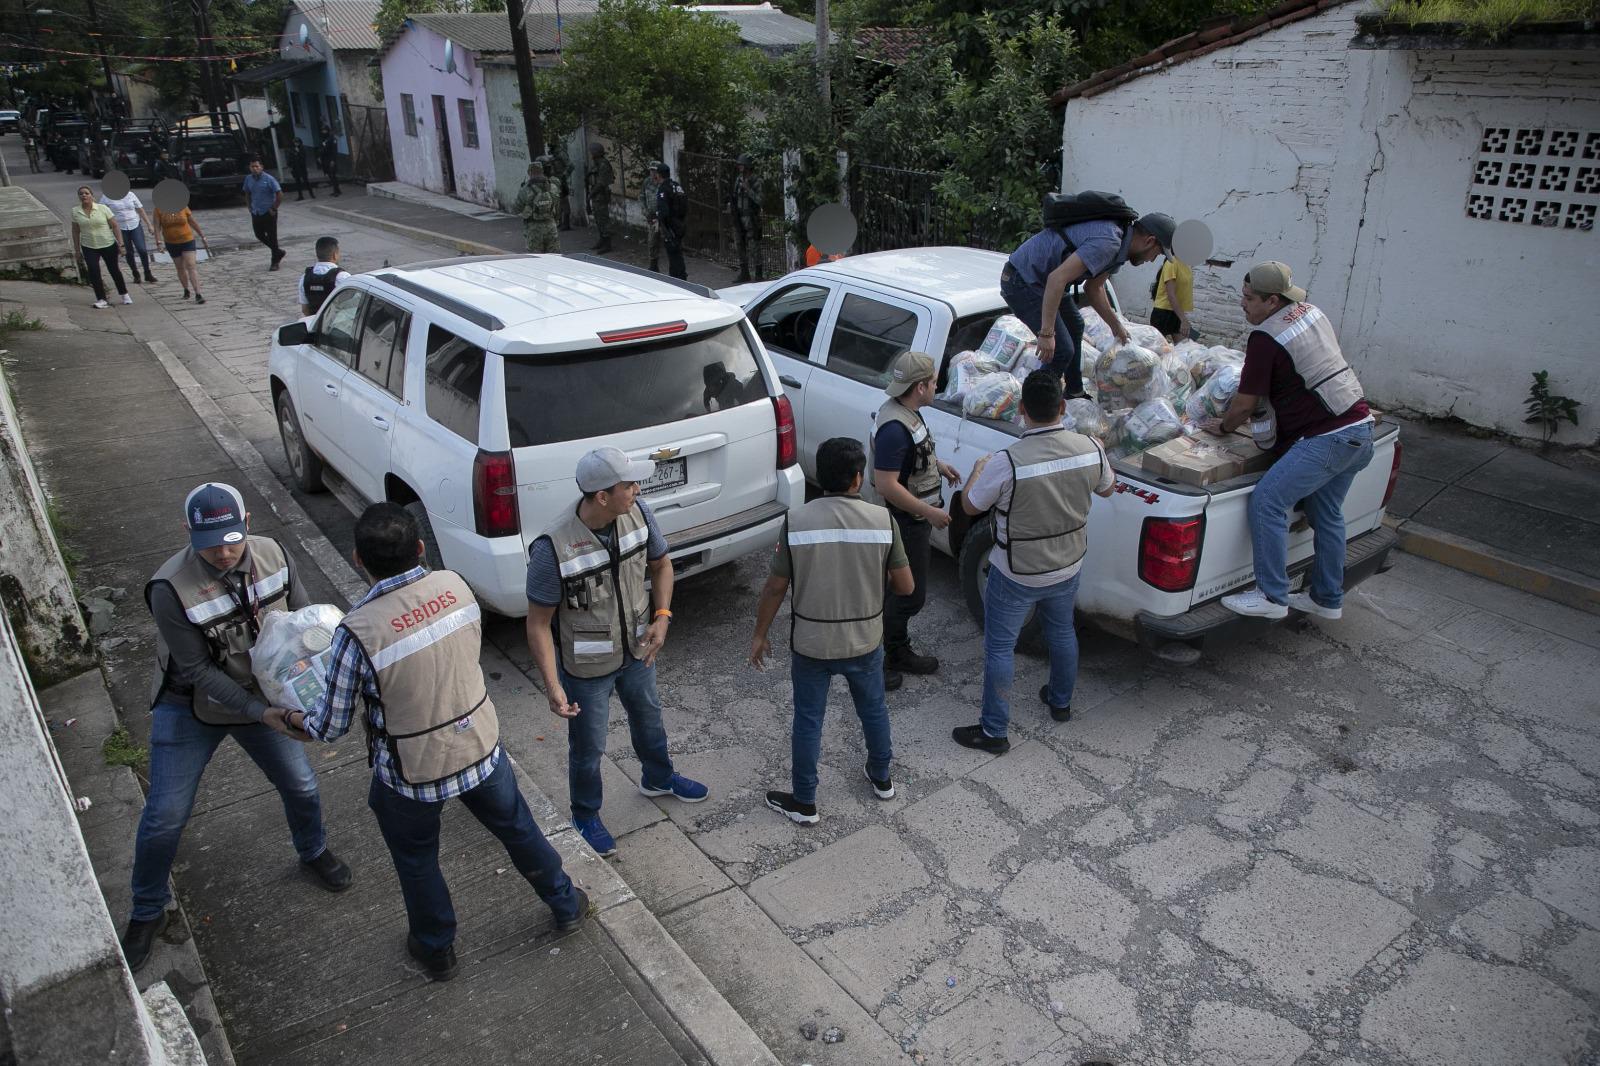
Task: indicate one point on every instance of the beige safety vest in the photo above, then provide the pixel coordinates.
(605, 604)
(924, 482)
(230, 623)
(838, 549)
(1307, 335)
(1054, 473)
(423, 641)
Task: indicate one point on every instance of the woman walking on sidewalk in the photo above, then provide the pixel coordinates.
(133, 222)
(176, 231)
(98, 240)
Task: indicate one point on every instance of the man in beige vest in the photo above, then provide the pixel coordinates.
(208, 601)
(837, 551)
(599, 605)
(907, 472)
(409, 652)
(1040, 489)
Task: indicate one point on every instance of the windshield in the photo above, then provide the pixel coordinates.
(595, 393)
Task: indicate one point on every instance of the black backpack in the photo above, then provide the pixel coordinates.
(1068, 209)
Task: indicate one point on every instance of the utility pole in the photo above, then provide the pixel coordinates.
(532, 124)
(202, 34)
(105, 64)
(824, 78)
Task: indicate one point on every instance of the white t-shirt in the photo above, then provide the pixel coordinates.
(126, 209)
(992, 488)
(320, 268)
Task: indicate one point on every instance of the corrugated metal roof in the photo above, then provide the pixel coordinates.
(763, 26)
(347, 24)
(490, 34)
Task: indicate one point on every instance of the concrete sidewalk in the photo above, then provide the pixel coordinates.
(119, 435)
(1514, 515)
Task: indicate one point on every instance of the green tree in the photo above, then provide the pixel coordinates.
(643, 66)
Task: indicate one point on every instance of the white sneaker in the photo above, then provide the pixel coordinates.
(1302, 601)
(127, 298)
(1255, 604)
(101, 304)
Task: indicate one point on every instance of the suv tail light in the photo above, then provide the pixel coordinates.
(1169, 552)
(1394, 475)
(188, 168)
(494, 495)
(788, 450)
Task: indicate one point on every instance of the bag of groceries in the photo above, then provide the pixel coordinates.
(1129, 375)
(1147, 337)
(1151, 423)
(996, 395)
(291, 654)
(1085, 417)
(1096, 332)
(1211, 400)
(965, 368)
(1006, 342)
(1207, 361)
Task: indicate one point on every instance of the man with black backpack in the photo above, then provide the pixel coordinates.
(672, 214)
(1086, 238)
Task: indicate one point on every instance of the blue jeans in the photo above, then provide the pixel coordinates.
(411, 829)
(1027, 303)
(635, 684)
(864, 674)
(1318, 470)
(133, 243)
(1005, 608)
(180, 747)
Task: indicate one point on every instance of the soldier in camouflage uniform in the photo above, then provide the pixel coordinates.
(647, 201)
(597, 183)
(745, 204)
(536, 206)
(559, 168)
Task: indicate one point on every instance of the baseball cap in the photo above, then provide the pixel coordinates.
(214, 515)
(605, 467)
(1272, 278)
(1161, 227)
(908, 369)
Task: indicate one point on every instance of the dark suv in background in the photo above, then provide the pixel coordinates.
(135, 150)
(63, 138)
(210, 160)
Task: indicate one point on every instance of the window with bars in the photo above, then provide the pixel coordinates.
(408, 111)
(469, 124)
(1537, 177)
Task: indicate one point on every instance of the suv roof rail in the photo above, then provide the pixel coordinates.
(458, 260)
(481, 319)
(596, 260)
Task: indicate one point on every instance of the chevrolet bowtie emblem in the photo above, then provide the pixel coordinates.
(664, 453)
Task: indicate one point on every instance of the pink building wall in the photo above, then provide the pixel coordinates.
(415, 65)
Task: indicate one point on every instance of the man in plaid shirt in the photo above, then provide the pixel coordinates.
(409, 651)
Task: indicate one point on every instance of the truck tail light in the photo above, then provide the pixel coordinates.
(188, 168)
(788, 448)
(1394, 475)
(1169, 552)
(494, 495)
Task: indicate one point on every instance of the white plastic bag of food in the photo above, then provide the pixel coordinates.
(1211, 400)
(1117, 421)
(1146, 336)
(1178, 379)
(1085, 417)
(1151, 423)
(1207, 361)
(1005, 342)
(291, 654)
(1095, 331)
(1129, 375)
(1088, 359)
(965, 368)
(996, 395)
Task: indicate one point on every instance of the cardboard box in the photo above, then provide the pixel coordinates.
(1206, 459)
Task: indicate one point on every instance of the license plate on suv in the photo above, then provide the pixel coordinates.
(670, 473)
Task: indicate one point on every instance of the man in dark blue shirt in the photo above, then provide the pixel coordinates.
(263, 194)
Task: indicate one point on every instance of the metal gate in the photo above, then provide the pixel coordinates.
(897, 208)
(368, 131)
(708, 182)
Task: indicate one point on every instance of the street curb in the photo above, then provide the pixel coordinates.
(1473, 557)
(678, 984)
(459, 245)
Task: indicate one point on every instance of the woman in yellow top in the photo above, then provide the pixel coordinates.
(98, 239)
(1174, 293)
(176, 231)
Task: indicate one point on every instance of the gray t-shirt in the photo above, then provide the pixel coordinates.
(544, 573)
(1099, 243)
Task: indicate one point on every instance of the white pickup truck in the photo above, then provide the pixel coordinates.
(1161, 554)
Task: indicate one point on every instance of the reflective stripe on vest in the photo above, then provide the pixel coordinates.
(1052, 479)
(604, 599)
(1306, 334)
(842, 536)
(838, 551)
(201, 613)
(429, 635)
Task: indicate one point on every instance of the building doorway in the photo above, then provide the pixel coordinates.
(441, 122)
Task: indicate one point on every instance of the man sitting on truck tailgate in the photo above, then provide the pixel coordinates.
(1039, 489)
(1318, 425)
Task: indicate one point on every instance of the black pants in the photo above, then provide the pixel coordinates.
(331, 169)
(92, 258)
(302, 184)
(899, 610)
(675, 264)
(1027, 303)
(266, 230)
(1166, 321)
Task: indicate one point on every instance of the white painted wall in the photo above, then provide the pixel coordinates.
(1353, 167)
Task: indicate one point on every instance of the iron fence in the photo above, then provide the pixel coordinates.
(898, 208)
(708, 182)
(371, 158)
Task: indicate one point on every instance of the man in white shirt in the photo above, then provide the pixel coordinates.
(1040, 490)
(133, 222)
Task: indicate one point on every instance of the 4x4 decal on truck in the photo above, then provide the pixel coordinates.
(1144, 494)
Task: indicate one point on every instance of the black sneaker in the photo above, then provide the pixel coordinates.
(140, 939)
(332, 874)
(564, 927)
(909, 662)
(882, 787)
(149, 277)
(199, 299)
(438, 965)
(892, 679)
(785, 804)
(1060, 714)
(973, 736)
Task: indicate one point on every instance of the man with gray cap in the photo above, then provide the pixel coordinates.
(907, 472)
(1039, 273)
(208, 601)
(595, 625)
(1303, 401)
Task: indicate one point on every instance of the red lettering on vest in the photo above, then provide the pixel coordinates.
(402, 622)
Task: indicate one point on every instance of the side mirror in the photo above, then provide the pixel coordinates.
(294, 333)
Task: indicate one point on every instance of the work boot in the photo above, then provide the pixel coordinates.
(973, 736)
(905, 660)
(149, 277)
(892, 679)
(1060, 714)
(140, 939)
(438, 965)
(332, 874)
(567, 925)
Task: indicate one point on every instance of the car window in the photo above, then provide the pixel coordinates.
(454, 383)
(339, 325)
(867, 337)
(787, 320)
(385, 324)
(615, 390)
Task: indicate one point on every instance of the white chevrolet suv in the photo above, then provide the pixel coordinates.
(467, 389)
